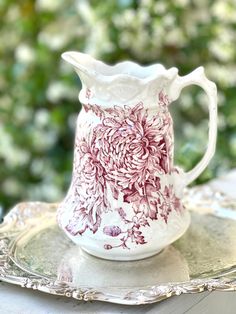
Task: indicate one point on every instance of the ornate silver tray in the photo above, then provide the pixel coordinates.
(34, 253)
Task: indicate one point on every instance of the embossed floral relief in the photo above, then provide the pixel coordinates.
(127, 152)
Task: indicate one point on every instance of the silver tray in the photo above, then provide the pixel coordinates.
(34, 253)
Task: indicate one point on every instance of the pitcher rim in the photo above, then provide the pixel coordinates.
(161, 72)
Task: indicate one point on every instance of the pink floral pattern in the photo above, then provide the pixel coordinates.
(128, 151)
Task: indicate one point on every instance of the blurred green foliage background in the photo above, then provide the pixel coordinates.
(38, 91)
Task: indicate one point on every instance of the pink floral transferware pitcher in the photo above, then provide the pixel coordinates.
(124, 201)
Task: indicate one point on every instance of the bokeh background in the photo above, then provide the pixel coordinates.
(38, 91)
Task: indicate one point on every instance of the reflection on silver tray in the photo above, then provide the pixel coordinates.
(34, 253)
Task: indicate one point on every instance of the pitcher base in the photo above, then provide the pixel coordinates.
(123, 258)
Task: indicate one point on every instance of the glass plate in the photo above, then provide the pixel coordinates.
(35, 253)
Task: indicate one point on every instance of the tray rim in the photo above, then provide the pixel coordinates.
(20, 217)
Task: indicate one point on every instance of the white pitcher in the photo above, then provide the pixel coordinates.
(124, 201)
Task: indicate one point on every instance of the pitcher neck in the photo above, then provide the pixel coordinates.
(104, 98)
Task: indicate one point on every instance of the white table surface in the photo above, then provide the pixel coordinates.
(17, 300)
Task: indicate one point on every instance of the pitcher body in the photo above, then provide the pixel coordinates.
(124, 201)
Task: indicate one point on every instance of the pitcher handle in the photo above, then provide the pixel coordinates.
(198, 77)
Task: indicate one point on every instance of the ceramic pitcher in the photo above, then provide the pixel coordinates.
(124, 201)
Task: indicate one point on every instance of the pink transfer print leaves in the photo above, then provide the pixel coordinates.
(128, 151)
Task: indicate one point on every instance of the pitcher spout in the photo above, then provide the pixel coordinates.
(82, 63)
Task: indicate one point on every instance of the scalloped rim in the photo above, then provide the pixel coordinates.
(159, 71)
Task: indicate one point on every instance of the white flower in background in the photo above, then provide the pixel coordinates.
(41, 118)
(168, 20)
(39, 167)
(222, 74)
(181, 3)
(223, 45)
(13, 13)
(192, 20)
(60, 32)
(125, 20)
(128, 16)
(48, 5)
(24, 54)
(146, 3)
(222, 123)
(13, 155)
(202, 100)
(175, 37)
(98, 42)
(54, 41)
(160, 7)
(22, 114)
(189, 132)
(186, 100)
(200, 4)
(221, 98)
(225, 33)
(10, 39)
(124, 39)
(5, 101)
(58, 90)
(225, 10)
(223, 51)
(158, 34)
(144, 16)
(12, 187)
(141, 40)
(72, 121)
(85, 11)
(50, 191)
(47, 189)
(42, 139)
